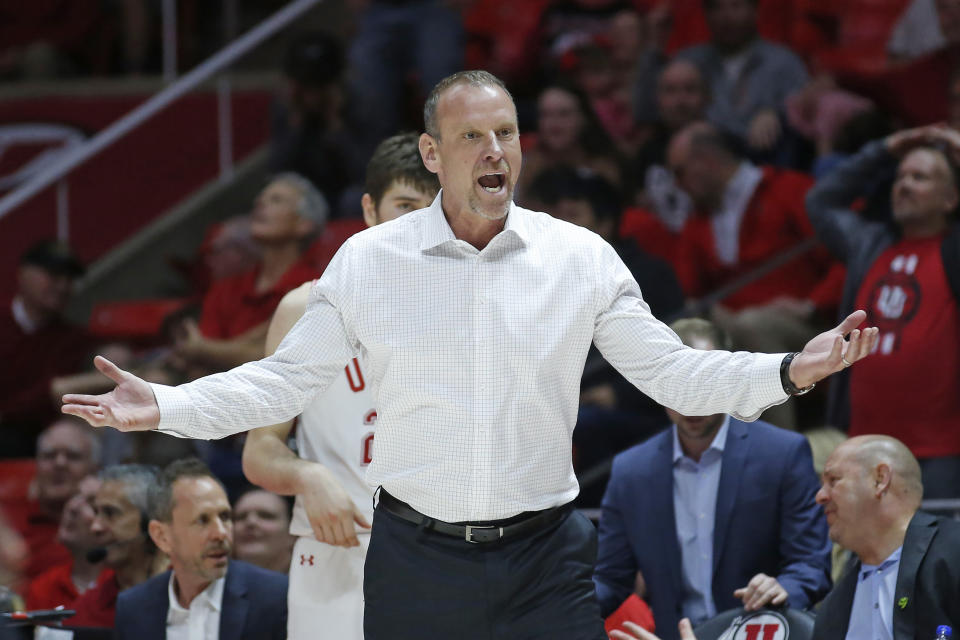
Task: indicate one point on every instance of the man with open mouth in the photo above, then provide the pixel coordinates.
(474, 317)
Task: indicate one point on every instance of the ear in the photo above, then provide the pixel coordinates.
(369, 210)
(882, 476)
(160, 534)
(429, 153)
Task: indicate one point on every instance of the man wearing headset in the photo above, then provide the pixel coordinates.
(120, 528)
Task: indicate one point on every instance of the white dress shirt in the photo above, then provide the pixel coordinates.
(695, 488)
(474, 359)
(726, 220)
(201, 621)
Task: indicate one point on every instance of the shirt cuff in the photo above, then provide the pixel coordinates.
(765, 380)
(176, 410)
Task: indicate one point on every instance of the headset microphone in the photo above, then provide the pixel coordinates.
(99, 554)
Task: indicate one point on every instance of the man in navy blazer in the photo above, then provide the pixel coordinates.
(226, 599)
(254, 606)
(741, 496)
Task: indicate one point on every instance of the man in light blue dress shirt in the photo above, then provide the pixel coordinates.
(904, 579)
(737, 520)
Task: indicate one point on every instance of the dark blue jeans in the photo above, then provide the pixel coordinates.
(420, 584)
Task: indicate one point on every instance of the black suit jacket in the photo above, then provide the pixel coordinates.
(928, 585)
(254, 606)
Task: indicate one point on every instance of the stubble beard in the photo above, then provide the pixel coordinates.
(477, 207)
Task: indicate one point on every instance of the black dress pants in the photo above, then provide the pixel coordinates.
(420, 585)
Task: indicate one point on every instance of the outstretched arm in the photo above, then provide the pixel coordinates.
(255, 394)
(269, 462)
(698, 383)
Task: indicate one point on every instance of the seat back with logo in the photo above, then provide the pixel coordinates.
(765, 624)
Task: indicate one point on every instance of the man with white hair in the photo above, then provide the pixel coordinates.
(288, 213)
(67, 451)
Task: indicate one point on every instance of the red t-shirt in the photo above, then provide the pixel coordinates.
(53, 588)
(39, 531)
(232, 306)
(910, 387)
(97, 607)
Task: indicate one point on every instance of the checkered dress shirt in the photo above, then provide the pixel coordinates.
(474, 358)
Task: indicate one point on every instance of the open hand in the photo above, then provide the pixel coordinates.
(829, 352)
(761, 591)
(131, 405)
(331, 512)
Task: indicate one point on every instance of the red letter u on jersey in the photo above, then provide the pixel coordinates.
(358, 384)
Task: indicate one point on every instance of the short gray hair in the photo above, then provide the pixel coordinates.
(313, 205)
(85, 430)
(475, 78)
(138, 481)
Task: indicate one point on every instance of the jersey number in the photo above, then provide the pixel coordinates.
(367, 450)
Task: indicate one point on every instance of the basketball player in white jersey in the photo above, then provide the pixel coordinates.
(334, 436)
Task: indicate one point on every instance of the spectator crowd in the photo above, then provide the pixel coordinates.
(762, 167)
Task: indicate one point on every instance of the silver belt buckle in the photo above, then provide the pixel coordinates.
(468, 536)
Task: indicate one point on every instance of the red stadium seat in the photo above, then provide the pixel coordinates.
(132, 319)
(16, 474)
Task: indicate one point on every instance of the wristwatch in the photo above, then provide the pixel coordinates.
(788, 387)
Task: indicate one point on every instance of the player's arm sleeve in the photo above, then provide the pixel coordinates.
(616, 569)
(651, 356)
(804, 542)
(274, 389)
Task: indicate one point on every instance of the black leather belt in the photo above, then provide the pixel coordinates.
(475, 533)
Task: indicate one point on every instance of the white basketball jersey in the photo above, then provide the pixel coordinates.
(336, 430)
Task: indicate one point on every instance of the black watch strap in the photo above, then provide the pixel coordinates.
(788, 387)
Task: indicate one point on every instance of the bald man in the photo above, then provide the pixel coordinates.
(905, 580)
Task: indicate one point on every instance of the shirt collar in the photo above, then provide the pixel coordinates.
(213, 594)
(866, 570)
(719, 440)
(740, 189)
(437, 231)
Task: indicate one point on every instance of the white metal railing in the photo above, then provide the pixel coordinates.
(72, 158)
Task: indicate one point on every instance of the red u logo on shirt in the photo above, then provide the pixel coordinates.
(893, 301)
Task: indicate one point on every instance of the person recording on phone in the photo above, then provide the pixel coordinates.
(120, 529)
